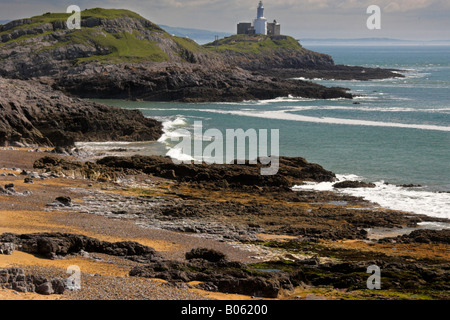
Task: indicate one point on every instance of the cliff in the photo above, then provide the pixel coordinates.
(258, 52)
(284, 57)
(34, 114)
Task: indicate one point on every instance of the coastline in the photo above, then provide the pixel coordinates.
(260, 236)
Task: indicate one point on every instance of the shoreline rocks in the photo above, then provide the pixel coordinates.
(34, 114)
(353, 184)
(54, 245)
(16, 279)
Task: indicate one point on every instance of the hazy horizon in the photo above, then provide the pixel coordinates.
(417, 20)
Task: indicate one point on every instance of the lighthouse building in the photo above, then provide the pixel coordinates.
(260, 25)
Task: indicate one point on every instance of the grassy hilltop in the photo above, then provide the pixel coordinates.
(254, 43)
(117, 34)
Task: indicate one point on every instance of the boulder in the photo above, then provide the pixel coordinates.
(353, 184)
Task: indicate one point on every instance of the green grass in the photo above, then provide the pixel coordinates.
(188, 44)
(123, 46)
(254, 43)
(49, 17)
(86, 14)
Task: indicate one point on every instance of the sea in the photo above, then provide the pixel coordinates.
(395, 133)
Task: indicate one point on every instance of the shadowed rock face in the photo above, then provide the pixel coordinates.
(35, 114)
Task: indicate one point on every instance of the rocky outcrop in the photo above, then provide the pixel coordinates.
(291, 171)
(262, 53)
(221, 275)
(86, 170)
(353, 184)
(284, 57)
(53, 245)
(422, 236)
(334, 72)
(34, 114)
(16, 279)
(184, 82)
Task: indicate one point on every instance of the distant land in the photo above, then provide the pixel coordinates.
(371, 41)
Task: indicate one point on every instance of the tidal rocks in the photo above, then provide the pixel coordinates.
(334, 72)
(422, 236)
(52, 245)
(16, 279)
(34, 114)
(187, 83)
(353, 184)
(205, 254)
(10, 190)
(291, 171)
(87, 170)
(222, 275)
(65, 201)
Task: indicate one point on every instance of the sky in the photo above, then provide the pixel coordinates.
(400, 19)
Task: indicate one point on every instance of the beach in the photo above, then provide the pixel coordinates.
(327, 227)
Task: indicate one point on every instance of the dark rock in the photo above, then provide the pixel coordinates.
(353, 184)
(52, 245)
(291, 171)
(205, 254)
(16, 279)
(224, 276)
(28, 180)
(28, 115)
(422, 236)
(45, 288)
(58, 286)
(66, 201)
(410, 185)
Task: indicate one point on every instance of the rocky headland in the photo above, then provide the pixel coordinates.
(119, 54)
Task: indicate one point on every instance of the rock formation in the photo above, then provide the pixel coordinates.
(34, 114)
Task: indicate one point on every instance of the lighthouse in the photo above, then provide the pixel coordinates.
(260, 23)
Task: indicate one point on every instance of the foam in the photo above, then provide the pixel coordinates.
(284, 115)
(415, 200)
(176, 153)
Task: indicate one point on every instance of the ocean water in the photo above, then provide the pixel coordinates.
(398, 134)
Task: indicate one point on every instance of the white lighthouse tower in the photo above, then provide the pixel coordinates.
(260, 23)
